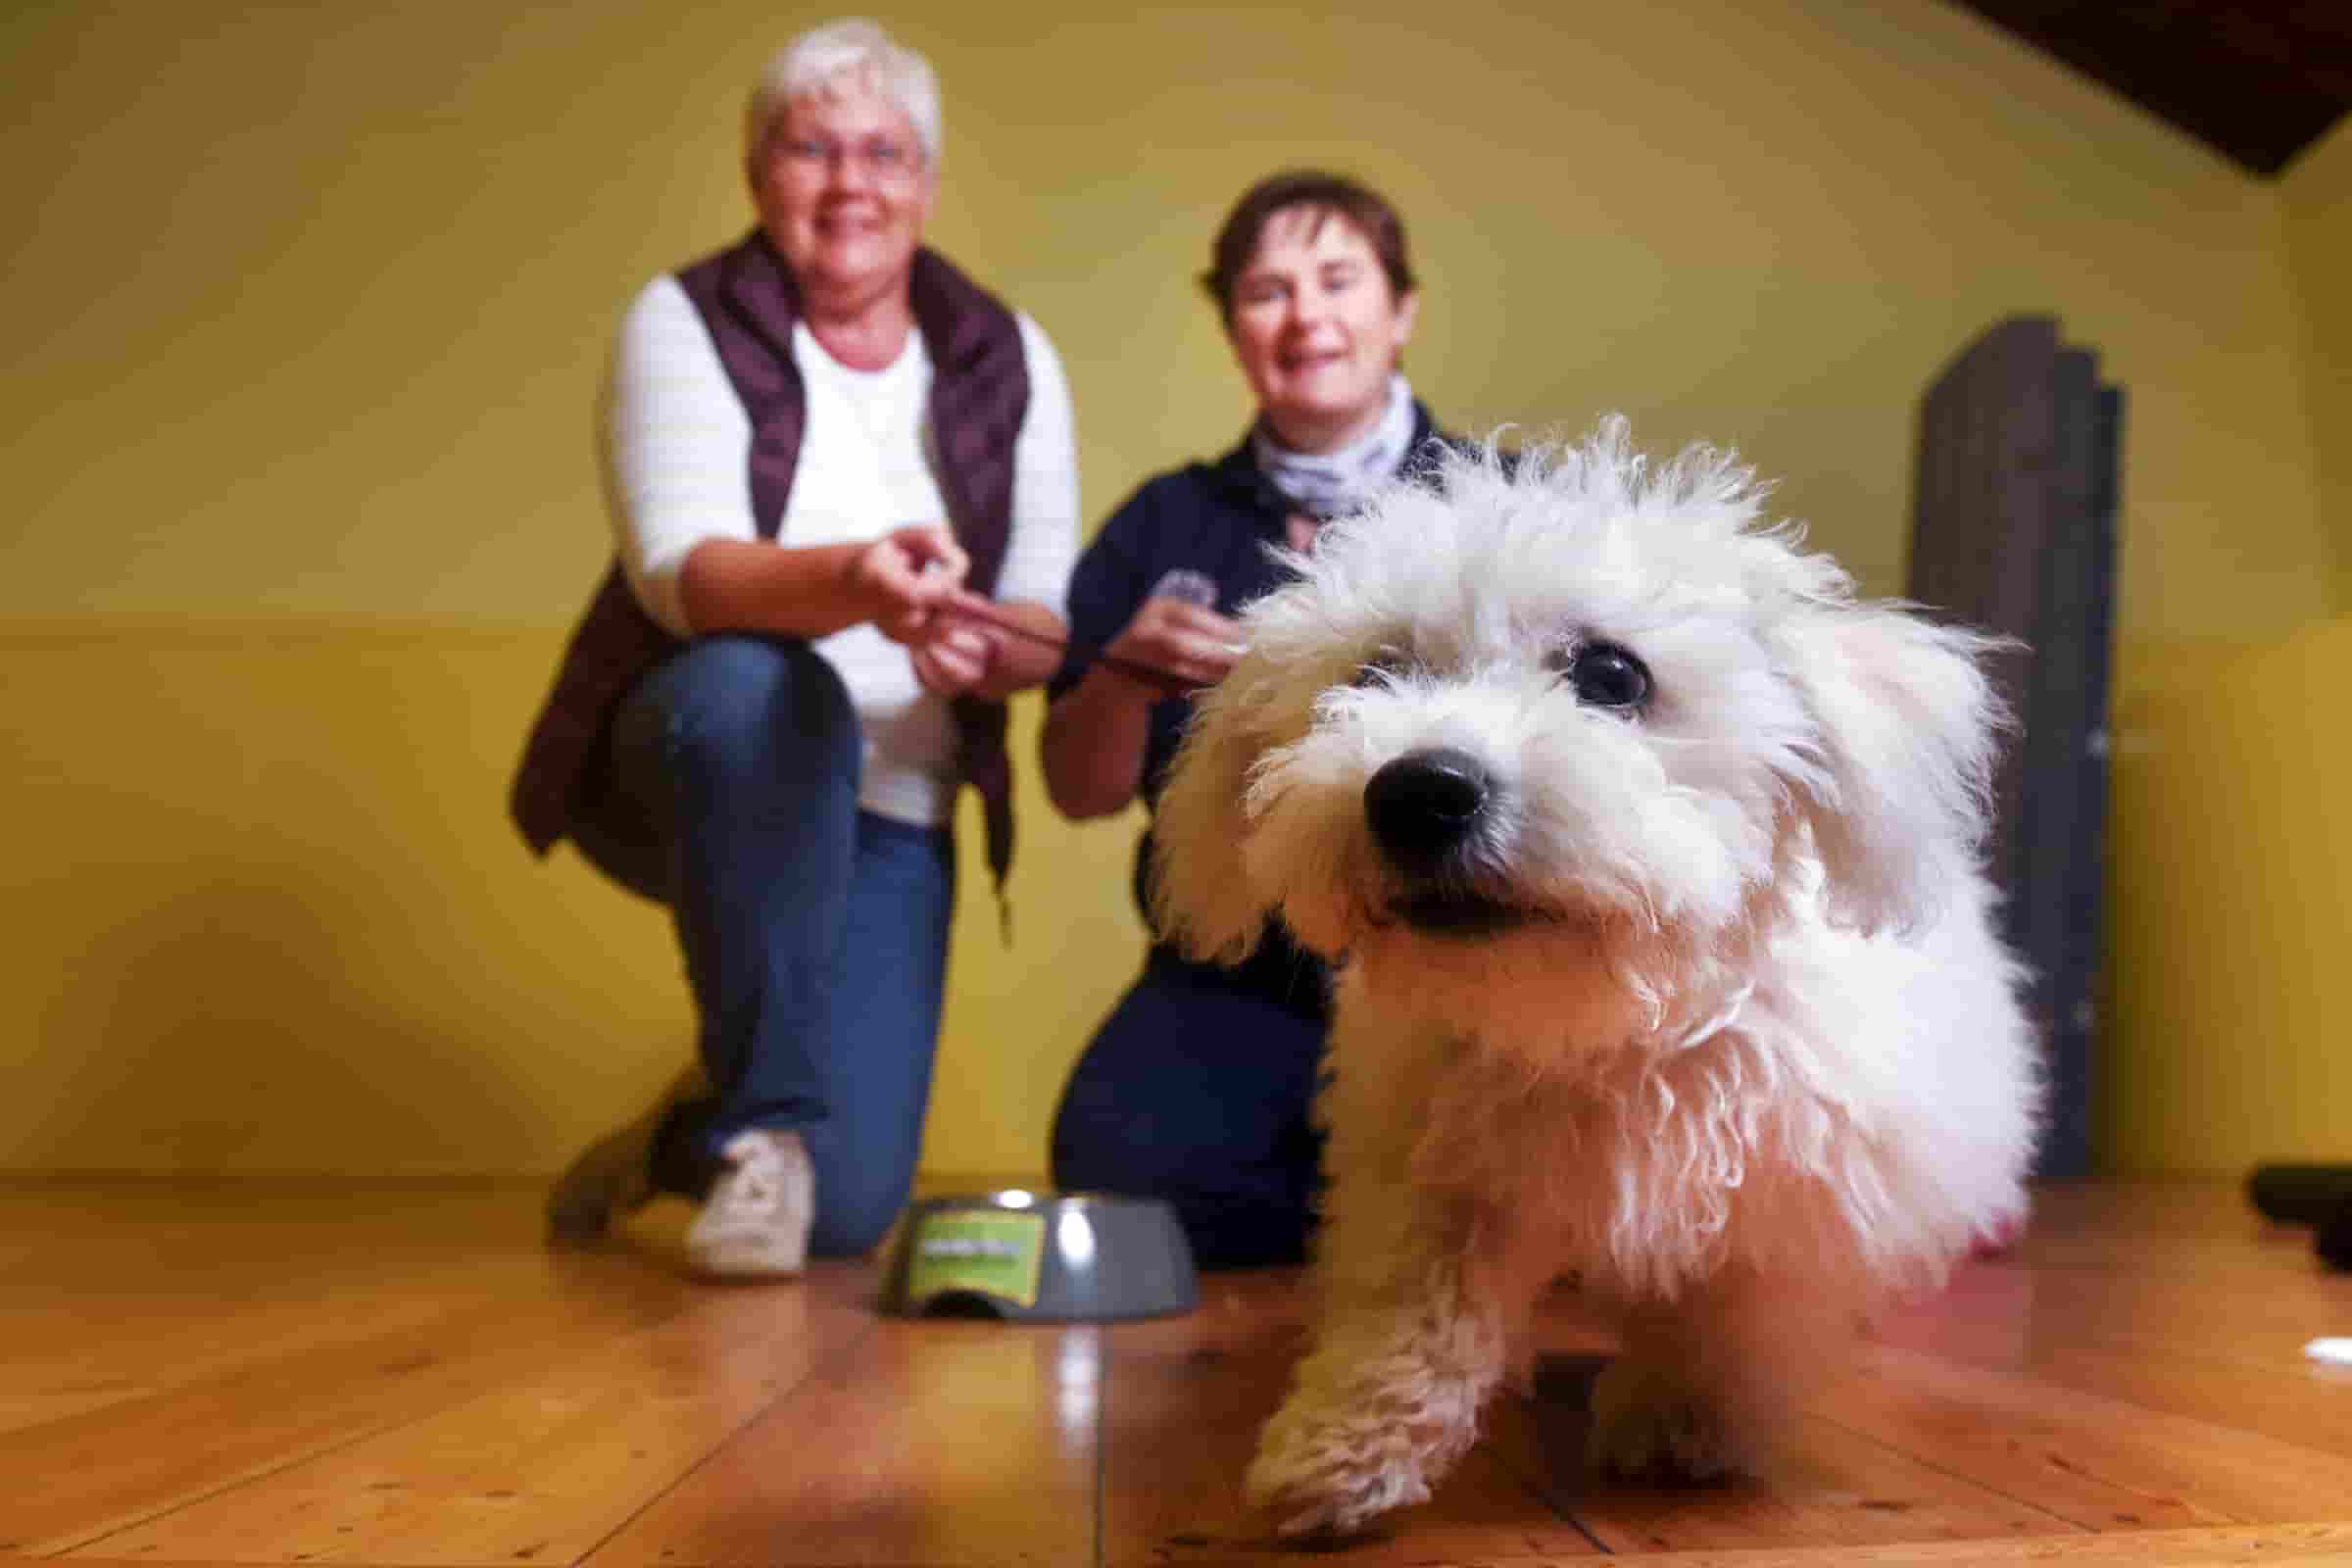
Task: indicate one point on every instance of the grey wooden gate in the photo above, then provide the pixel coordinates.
(2013, 530)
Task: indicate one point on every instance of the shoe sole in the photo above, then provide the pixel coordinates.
(744, 1261)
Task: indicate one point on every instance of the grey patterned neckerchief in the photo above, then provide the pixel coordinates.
(1328, 485)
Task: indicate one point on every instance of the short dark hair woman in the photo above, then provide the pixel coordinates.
(1196, 1087)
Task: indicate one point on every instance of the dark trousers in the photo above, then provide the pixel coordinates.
(1197, 1090)
(815, 934)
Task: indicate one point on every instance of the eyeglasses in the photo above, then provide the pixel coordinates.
(876, 157)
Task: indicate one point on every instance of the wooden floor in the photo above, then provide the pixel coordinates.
(410, 1379)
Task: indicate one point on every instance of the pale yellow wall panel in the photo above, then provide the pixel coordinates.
(2230, 860)
(314, 301)
(2316, 193)
(265, 915)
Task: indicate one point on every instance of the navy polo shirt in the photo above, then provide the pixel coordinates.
(1221, 519)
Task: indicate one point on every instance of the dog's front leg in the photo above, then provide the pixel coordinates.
(1410, 1342)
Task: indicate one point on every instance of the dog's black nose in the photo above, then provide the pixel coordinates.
(1423, 803)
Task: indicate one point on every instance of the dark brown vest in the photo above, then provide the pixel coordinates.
(979, 397)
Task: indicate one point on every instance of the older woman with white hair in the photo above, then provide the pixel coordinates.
(824, 447)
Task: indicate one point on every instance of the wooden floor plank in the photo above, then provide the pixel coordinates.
(1186, 1401)
(81, 1478)
(2223, 1308)
(145, 1346)
(2303, 1545)
(410, 1379)
(449, 1296)
(2219, 1342)
(2281, 1395)
(962, 1443)
(1824, 1488)
(31, 1407)
(540, 1470)
(2102, 1463)
(2299, 1546)
(115, 1295)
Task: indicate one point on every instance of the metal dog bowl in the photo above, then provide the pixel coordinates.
(1041, 1258)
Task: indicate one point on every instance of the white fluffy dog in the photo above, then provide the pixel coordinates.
(1648, 856)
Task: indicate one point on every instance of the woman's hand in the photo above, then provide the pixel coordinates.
(901, 580)
(956, 657)
(1095, 734)
(1192, 645)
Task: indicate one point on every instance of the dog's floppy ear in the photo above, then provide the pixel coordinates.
(1203, 899)
(1907, 728)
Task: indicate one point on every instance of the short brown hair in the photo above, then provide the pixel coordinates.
(1322, 193)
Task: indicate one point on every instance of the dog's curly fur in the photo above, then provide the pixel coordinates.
(1695, 994)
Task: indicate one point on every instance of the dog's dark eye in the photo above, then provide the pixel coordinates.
(1387, 664)
(1606, 675)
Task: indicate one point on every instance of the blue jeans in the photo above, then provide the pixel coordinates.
(814, 934)
(1197, 1090)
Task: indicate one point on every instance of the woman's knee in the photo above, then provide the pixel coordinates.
(1103, 1147)
(1076, 1157)
(731, 701)
(1233, 1213)
(1092, 1140)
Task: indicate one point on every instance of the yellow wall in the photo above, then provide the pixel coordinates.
(2316, 193)
(307, 308)
(265, 916)
(2232, 853)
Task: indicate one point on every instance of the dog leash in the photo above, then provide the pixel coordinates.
(980, 611)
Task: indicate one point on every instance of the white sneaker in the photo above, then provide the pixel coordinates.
(754, 1224)
(615, 1175)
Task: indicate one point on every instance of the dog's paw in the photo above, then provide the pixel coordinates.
(1332, 1479)
(1647, 1426)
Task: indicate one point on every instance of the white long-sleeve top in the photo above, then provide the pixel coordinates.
(677, 444)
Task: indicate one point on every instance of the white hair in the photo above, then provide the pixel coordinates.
(852, 54)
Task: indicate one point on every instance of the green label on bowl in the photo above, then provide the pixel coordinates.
(990, 1253)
